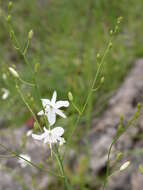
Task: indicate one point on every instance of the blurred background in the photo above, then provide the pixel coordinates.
(68, 35)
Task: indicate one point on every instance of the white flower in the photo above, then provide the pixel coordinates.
(23, 162)
(29, 133)
(51, 136)
(5, 93)
(51, 108)
(13, 72)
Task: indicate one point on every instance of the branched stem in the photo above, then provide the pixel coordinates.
(15, 154)
(27, 105)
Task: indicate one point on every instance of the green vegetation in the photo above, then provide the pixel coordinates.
(68, 35)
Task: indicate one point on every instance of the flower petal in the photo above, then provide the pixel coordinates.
(39, 137)
(46, 140)
(62, 104)
(40, 112)
(61, 141)
(45, 102)
(57, 132)
(51, 116)
(46, 130)
(59, 112)
(53, 100)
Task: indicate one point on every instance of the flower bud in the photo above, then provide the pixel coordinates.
(125, 166)
(13, 72)
(140, 169)
(98, 55)
(70, 96)
(139, 106)
(5, 93)
(30, 34)
(116, 28)
(8, 18)
(111, 32)
(119, 156)
(102, 80)
(10, 4)
(119, 20)
(36, 67)
(110, 45)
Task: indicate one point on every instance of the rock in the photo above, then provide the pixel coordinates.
(7, 182)
(136, 181)
(12, 176)
(103, 130)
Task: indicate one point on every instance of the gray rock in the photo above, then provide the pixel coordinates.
(12, 176)
(103, 130)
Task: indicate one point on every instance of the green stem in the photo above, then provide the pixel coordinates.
(23, 54)
(39, 99)
(60, 162)
(91, 90)
(108, 163)
(26, 47)
(26, 83)
(96, 76)
(76, 108)
(27, 105)
(129, 123)
(14, 154)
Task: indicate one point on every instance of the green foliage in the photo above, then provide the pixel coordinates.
(68, 43)
(64, 45)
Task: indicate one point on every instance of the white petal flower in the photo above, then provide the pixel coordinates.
(51, 136)
(51, 108)
(5, 93)
(23, 162)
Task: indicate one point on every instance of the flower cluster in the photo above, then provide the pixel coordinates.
(51, 108)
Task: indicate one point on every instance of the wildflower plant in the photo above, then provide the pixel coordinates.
(49, 110)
